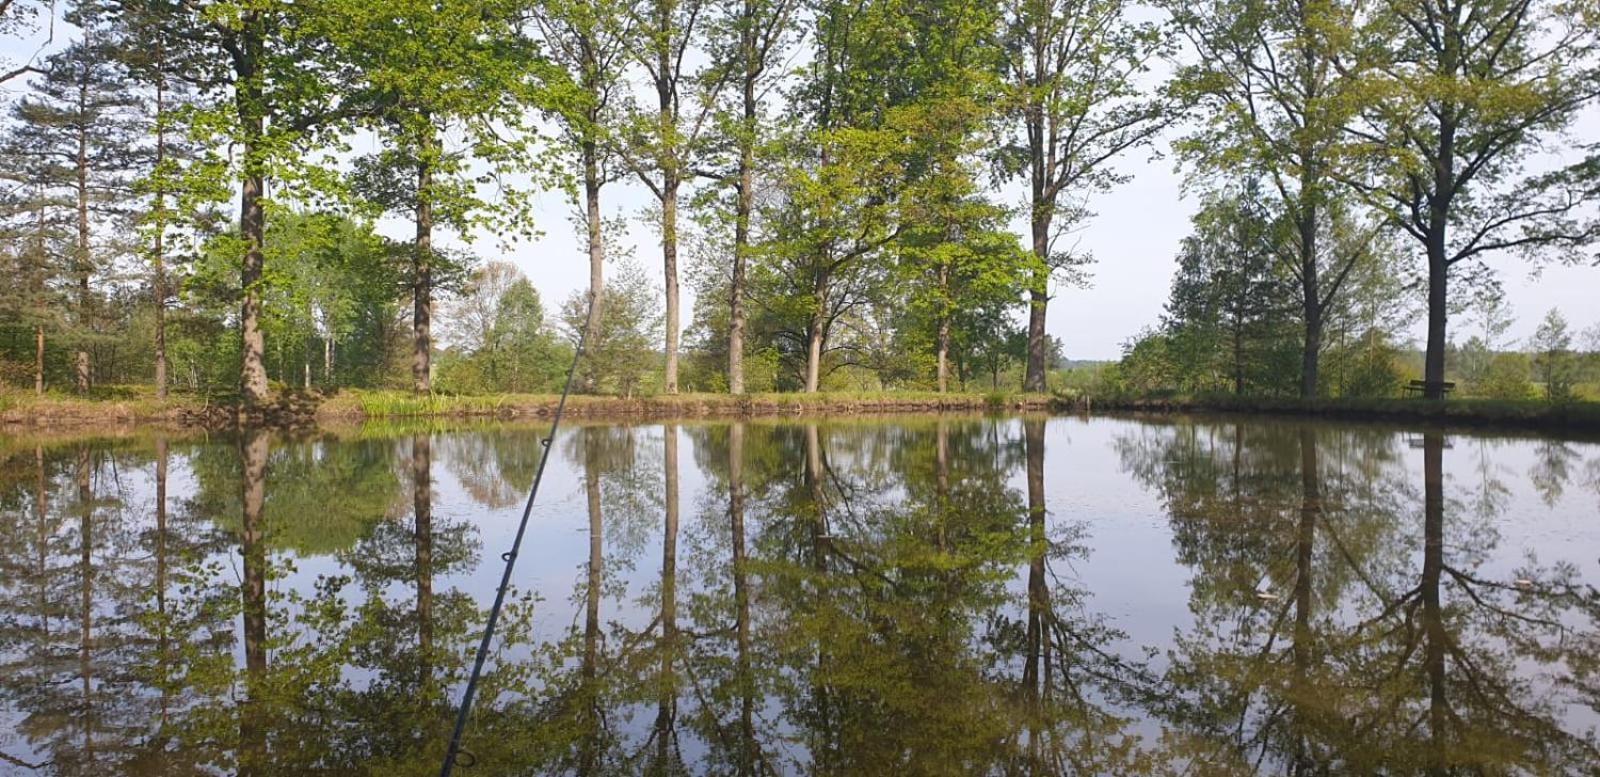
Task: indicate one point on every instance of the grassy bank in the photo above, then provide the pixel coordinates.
(107, 411)
(1531, 414)
(375, 404)
(20, 410)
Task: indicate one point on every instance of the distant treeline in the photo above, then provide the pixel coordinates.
(863, 195)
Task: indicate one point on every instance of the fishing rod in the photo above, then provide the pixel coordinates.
(510, 557)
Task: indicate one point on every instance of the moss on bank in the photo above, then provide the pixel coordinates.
(1534, 414)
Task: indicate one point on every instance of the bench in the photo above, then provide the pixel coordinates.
(1420, 388)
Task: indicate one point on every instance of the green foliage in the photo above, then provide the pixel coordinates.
(506, 345)
(1506, 378)
(1553, 359)
(630, 323)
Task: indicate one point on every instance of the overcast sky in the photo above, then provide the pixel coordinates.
(1133, 238)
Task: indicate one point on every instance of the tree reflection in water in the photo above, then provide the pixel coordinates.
(1340, 628)
(762, 597)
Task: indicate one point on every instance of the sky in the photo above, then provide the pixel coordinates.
(1134, 238)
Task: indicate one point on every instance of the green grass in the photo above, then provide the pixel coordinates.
(394, 404)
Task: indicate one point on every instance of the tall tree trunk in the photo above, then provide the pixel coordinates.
(327, 360)
(252, 370)
(1238, 357)
(741, 216)
(250, 105)
(1034, 379)
(1438, 318)
(38, 359)
(253, 448)
(597, 249)
(422, 273)
(670, 156)
(942, 335)
(80, 360)
(669, 267)
(1311, 299)
(1437, 242)
(816, 333)
(158, 252)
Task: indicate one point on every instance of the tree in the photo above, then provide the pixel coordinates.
(532, 359)
(1266, 83)
(1226, 306)
(175, 215)
(588, 40)
(1553, 357)
(954, 251)
(1455, 96)
(425, 68)
(1072, 70)
(35, 222)
(748, 40)
(619, 358)
(498, 325)
(659, 147)
(74, 136)
(470, 318)
(265, 80)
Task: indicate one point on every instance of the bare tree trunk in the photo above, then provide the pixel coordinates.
(422, 280)
(942, 337)
(670, 158)
(1438, 319)
(669, 259)
(250, 105)
(1034, 379)
(816, 334)
(81, 358)
(157, 254)
(252, 370)
(38, 359)
(1437, 237)
(1311, 292)
(597, 249)
(741, 216)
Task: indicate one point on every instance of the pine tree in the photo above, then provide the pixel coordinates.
(73, 140)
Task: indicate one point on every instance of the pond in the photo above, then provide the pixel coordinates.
(908, 595)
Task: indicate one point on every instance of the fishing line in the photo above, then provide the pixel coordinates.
(510, 557)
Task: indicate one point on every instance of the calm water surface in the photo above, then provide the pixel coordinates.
(953, 595)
